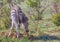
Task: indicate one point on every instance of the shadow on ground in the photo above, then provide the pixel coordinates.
(44, 37)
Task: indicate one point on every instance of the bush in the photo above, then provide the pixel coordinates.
(5, 19)
(56, 19)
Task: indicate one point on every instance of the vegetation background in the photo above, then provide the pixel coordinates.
(43, 15)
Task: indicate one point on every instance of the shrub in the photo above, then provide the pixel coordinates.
(5, 19)
(56, 19)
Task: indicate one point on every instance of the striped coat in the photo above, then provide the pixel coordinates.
(18, 17)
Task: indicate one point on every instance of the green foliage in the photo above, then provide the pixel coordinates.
(4, 1)
(57, 0)
(36, 4)
(34, 17)
(8, 39)
(5, 19)
(32, 3)
(56, 19)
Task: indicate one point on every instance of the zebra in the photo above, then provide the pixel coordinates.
(18, 17)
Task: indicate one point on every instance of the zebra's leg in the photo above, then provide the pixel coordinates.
(26, 28)
(11, 29)
(17, 25)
